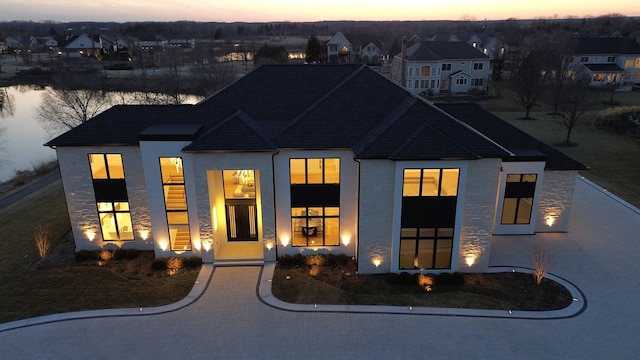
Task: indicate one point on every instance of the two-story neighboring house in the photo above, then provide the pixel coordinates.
(354, 49)
(605, 61)
(441, 67)
(82, 45)
(271, 166)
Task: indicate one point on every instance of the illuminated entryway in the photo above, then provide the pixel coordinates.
(240, 205)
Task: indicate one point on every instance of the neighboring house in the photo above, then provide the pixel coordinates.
(269, 166)
(47, 43)
(3, 47)
(605, 61)
(182, 43)
(152, 44)
(354, 49)
(487, 44)
(441, 67)
(83, 46)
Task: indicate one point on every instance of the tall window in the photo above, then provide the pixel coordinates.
(425, 71)
(446, 67)
(111, 196)
(175, 203)
(518, 198)
(478, 66)
(315, 201)
(429, 199)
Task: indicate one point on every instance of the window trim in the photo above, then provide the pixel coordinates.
(164, 199)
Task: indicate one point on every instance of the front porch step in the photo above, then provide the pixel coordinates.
(238, 262)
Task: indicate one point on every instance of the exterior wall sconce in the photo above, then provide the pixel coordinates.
(144, 234)
(206, 244)
(346, 240)
(550, 220)
(284, 240)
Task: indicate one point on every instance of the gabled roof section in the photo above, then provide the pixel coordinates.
(596, 46)
(516, 141)
(443, 50)
(238, 132)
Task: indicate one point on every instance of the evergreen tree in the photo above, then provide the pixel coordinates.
(314, 49)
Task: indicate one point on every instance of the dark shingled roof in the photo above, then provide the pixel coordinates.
(604, 68)
(604, 46)
(298, 107)
(522, 145)
(443, 50)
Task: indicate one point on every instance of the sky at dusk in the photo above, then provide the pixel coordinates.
(302, 10)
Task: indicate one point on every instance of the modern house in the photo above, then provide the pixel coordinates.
(353, 164)
(606, 61)
(354, 49)
(441, 67)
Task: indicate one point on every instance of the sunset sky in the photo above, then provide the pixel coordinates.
(301, 10)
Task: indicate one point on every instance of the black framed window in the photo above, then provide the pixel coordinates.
(429, 201)
(519, 193)
(315, 201)
(112, 200)
(175, 200)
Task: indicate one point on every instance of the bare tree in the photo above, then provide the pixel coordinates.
(541, 261)
(527, 80)
(74, 100)
(577, 99)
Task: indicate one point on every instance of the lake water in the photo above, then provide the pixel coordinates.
(22, 138)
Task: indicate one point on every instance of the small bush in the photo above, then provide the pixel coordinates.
(106, 255)
(318, 260)
(119, 254)
(131, 254)
(159, 264)
(192, 262)
(86, 255)
(289, 261)
(426, 280)
(444, 278)
(42, 236)
(392, 278)
(457, 279)
(405, 278)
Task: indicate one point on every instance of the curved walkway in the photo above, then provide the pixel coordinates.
(224, 318)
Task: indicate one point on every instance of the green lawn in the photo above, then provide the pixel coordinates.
(26, 292)
(612, 158)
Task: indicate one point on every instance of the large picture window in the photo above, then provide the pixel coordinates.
(110, 190)
(518, 199)
(429, 199)
(175, 200)
(315, 201)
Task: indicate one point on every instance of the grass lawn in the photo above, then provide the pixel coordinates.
(612, 158)
(26, 292)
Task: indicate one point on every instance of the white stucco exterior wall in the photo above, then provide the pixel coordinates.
(554, 206)
(80, 197)
(478, 217)
(377, 211)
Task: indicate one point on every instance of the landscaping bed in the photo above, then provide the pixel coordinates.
(333, 279)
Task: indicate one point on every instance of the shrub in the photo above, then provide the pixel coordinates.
(404, 278)
(43, 240)
(106, 255)
(173, 265)
(86, 255)
(131, 254)
(426, 280)
(392, 278)
(159, 264)
(444, 278)
(457, 279)
(119, 254)
(192, 262)
(289, 261)
(318, 260)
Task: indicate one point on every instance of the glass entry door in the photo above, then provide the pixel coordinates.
(240, 204)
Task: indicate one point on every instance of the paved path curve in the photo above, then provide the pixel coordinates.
(48, 179)
(229, 320)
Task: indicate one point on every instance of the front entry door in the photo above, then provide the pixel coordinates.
(242, 221)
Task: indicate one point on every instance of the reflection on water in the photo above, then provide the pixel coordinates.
(22, 136)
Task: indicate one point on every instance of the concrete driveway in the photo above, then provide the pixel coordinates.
(229, 321)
